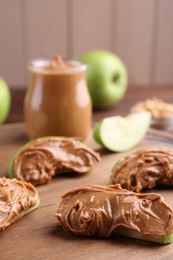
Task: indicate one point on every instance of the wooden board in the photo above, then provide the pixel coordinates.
(37, 236)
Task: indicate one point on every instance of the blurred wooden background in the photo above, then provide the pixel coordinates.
(139, 31)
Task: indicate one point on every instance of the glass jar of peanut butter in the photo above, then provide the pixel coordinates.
(57, 101)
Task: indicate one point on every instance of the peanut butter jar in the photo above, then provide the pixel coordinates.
(57, 101)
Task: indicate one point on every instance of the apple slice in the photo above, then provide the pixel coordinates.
(108, 210)
(17, 199)
(119, 134)
(25, 212)
(42, 158)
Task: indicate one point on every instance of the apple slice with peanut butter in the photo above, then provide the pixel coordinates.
(39, 160)
(17, 199)
(104, 211)
(144, 169)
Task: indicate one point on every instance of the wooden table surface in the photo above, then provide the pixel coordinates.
(36, 235)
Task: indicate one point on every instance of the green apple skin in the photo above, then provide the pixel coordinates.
(107, 78)
(5, 100)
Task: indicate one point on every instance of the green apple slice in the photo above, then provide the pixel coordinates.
(25, 212)
(18, 199)
(21, 214)
(116, 164)
(11, 173)
(51, 161)
(119, 134)
(146, 237)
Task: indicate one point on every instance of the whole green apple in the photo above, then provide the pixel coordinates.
(106, 77)
(5, 100)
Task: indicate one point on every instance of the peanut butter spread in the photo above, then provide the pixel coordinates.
(144, 169)
(57, 101)
(105, 210)
(56, 64)
(45, 157)
(16, 198)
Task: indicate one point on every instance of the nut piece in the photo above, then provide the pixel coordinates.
(158, 108)
(16, 199)
(144, 169)
(45, 157)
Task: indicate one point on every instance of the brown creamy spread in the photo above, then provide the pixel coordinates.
(144, 169)
(104, 210)
(56, 64)
(57, 101)
(15, 197)
(46, 157)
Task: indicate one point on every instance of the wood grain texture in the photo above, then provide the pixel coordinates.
(11, 42)
(91, 25)
(133, 23)
(46, 28)
(164, 46)
(37, 236)
(139, 31)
